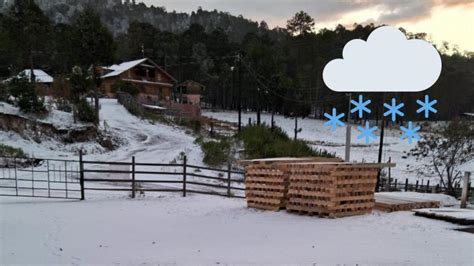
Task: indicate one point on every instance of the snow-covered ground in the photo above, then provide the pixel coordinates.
(59, 119)
(148, 142)
(204, 230)
(322, 137)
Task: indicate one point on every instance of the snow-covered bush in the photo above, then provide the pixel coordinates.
(25, 95)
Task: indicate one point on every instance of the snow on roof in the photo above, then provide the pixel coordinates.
(40, 76)
(120, 68)
(467, 166)
(154, 107)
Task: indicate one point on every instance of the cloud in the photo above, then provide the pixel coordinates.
(386, 62)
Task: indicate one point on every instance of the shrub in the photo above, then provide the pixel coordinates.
(262, 142)
(3, 92)
(10, 151)
(125, 86)
(216, 151)
(85, 112)
(194, 124)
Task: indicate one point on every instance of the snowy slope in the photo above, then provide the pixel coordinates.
(320, 136)
(148, 142)
(205, 230)
(59, 119)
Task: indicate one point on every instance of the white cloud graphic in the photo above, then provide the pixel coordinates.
(386, 62)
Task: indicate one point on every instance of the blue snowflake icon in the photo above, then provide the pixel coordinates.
(394, 109)
(366, 132)
(361, 106)
(410, 133)
(334, 119)
(427, 106)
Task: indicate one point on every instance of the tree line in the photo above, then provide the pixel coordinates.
(278, 70)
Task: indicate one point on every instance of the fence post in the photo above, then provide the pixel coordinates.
(49, 185)
(416, 186)
(65, 176)
(437, 188)
(465, 188)
(428, 186)
(81, 175)
(32, 178)
(184, 176)
(396, 180)
(133, 177)
(389, 174)
(406, 185)
(16, 176)
(229, 167)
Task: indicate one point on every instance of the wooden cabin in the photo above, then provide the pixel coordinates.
(43, 80)
(154, 83)
(189, 92)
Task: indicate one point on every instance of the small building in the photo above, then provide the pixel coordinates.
(154, 83)
(189, 92)
(42, 79)
(468, 116)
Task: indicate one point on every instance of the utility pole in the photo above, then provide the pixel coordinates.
(32, 72)
(348, 132)
(240, 91)
(296, 127)
(258, 106)
(380, 145)
(96, 80)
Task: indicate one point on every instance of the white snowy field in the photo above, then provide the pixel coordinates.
(203, 230)
(321, 137)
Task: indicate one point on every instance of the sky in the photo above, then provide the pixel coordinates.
(443, 20)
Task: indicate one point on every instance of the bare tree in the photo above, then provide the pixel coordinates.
(447, 148)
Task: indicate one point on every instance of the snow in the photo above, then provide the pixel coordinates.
(444, 200)
(148, 142)
(157, 107)
(40, 76)
(321, 137)
(468, 166)
(450, 213)
(203, 230)
(59, 119)
(120, 68)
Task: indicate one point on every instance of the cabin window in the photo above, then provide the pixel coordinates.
(141, 72)
(151, 73)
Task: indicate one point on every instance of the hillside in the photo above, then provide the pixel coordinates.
(117, 15)
(148, 142)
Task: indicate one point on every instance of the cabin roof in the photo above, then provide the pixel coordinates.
(118, 69)
(40, 76)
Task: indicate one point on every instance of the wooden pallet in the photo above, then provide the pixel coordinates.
(315, 186)
(331, 189)
(265, 187)
(390, 204)
(266, 181)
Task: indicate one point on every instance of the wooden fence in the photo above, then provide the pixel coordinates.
(420, 186)
(76, 177)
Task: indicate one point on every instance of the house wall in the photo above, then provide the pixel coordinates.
(149, 92)
(194, 99)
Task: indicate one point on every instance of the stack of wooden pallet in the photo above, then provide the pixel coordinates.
(332, 189)
(266, 181)
(265, 186)
(391, 203)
